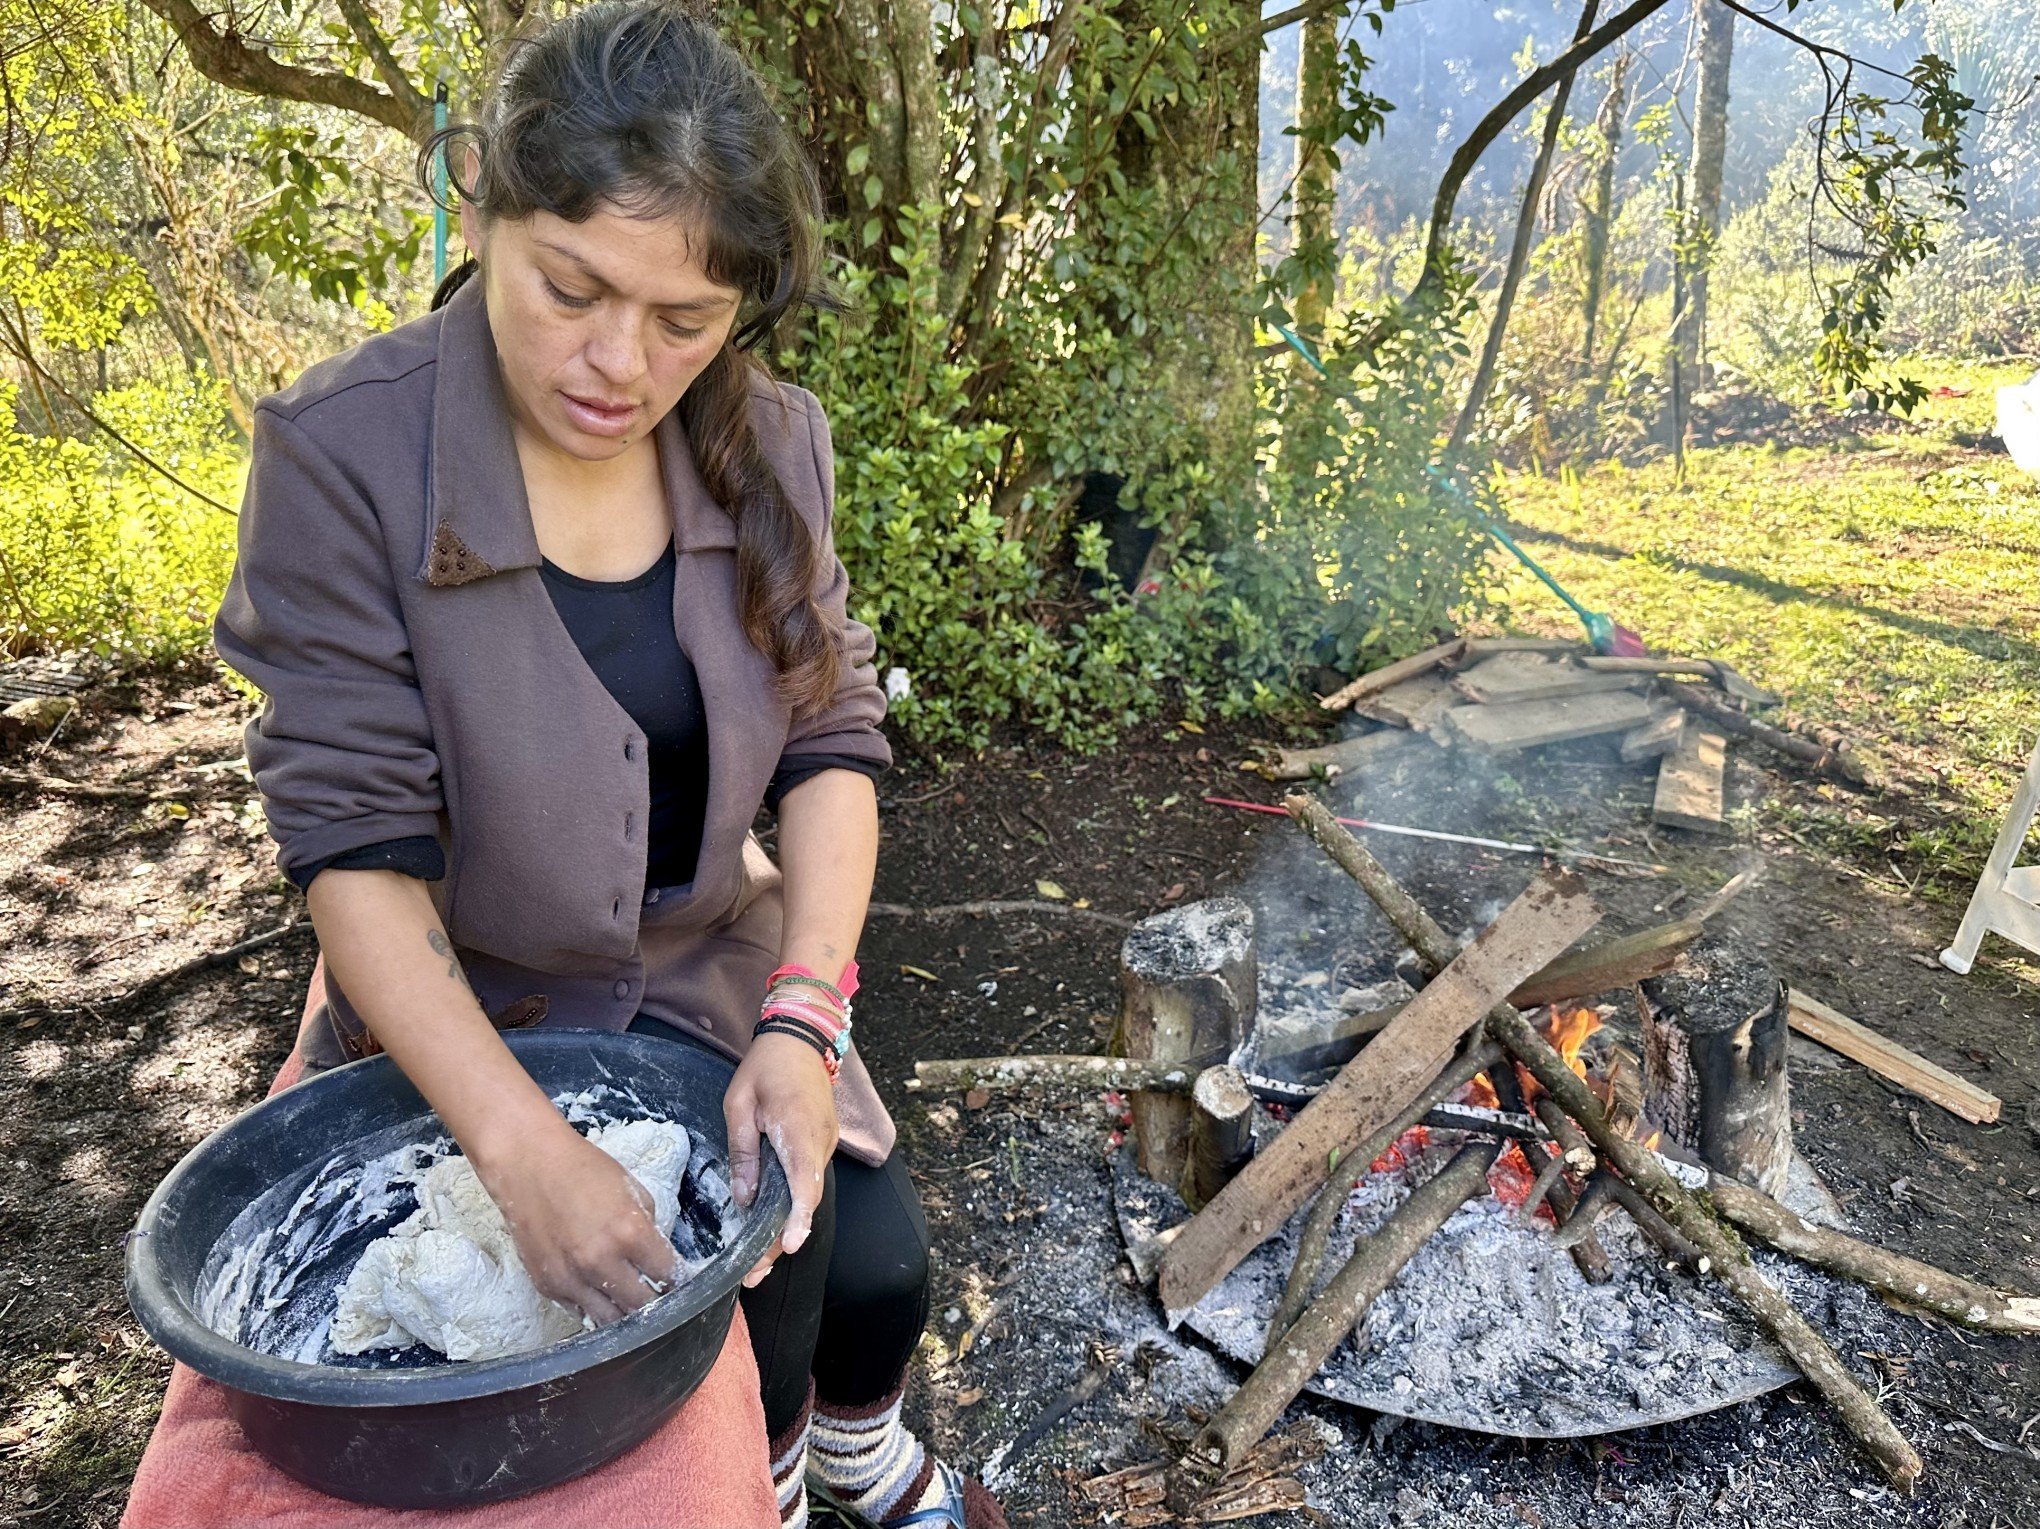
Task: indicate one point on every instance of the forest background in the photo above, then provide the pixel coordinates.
(1709, 298)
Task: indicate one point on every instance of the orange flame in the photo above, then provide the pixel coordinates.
(1568, 1031)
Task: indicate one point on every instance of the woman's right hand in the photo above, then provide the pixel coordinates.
(582, 1224)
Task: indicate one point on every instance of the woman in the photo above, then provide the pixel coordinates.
(542, 598)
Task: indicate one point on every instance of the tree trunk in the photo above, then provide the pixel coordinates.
(1600, 206)
(1715, 1079)
(1519, 246)
(1714, 41)
(1187, 979)
(1205, 163)
(1317, 99)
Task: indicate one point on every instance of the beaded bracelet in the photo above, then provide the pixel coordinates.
(831, 1053)
(800, 1003)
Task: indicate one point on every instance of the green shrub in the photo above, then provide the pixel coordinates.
(102, 552)
(1337, 555)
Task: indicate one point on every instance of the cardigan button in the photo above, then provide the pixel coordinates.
(623, 987)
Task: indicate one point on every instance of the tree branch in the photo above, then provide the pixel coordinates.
(1490, 127)
(225, 59)
(1296, 13)
(407, 95)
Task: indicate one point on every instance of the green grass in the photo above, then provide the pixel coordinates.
(1889, 591)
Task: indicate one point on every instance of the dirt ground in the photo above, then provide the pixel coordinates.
(103, 1088)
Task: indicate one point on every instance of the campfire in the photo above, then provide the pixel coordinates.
(1448, 1190)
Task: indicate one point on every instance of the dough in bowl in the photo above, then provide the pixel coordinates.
(449, 1276)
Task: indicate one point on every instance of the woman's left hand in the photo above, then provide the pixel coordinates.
(781, 1092)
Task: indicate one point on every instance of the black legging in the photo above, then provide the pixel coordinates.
(848, 1308)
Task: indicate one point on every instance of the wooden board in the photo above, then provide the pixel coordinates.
(1528, 724)
(1346, 756)
(1690, 783)
(1655, 738)
(1371, 1089)
(1415, 704)
(1487, 647)
(1378, 680)
(1511, 677)
(1836, 1031)
(1583, 973)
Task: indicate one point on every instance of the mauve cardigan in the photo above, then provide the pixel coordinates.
(387, 601)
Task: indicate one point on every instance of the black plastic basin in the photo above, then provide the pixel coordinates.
(444, 1434)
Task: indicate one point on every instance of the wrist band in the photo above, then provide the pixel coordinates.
(831, 1053)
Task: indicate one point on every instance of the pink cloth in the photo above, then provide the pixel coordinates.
(705, 1469)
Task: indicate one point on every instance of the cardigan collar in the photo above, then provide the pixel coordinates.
(478, 518)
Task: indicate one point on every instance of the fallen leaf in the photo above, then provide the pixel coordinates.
(1173, 893)
(971, 1397)
(1169, 801)
(1082, 902)
(912, 971)
(249, 965)
(1050, 889)
(977, 1098)
(1190, 727)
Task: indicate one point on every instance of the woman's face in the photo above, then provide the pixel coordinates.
(599, 325)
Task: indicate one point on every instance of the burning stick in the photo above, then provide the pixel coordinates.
(1724, 1255)
(1579, 1159)
(1291, 1362)
(1377, 1085)
(1654, 1226)
(1586, 1250)
(1357, 1158)
(1905, 1280)
(1595, 1198)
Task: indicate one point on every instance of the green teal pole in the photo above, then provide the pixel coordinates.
(439, 188)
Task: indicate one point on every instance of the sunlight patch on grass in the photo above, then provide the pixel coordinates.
(1889, 592)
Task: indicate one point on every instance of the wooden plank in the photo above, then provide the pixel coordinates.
(1536, 677)
(1655, 738)
(1348, 756)
(1373, 1087)
(1415, 703)
(1583, 973)
(1700, 668)
(1529, 724)
(1378, 680)
(1908, 1069)
(1690, 789)
(1488, 647)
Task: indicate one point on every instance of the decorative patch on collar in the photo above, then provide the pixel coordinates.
(452, 562)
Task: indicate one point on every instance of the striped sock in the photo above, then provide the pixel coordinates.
(789, 1452)
(867, 1457)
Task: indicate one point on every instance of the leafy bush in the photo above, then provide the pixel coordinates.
(1338, 555)
(98, 550)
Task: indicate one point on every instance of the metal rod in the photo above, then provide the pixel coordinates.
(1449, 838)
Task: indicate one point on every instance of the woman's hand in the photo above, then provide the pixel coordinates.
(582, 1224)
(781, 1092)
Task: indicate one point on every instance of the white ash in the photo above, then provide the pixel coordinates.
(1491, 1327)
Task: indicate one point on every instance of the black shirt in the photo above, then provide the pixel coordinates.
(624, 629)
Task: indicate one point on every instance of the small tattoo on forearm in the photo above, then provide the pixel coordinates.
(443, 946)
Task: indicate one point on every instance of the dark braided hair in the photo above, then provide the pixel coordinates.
(643, 106)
